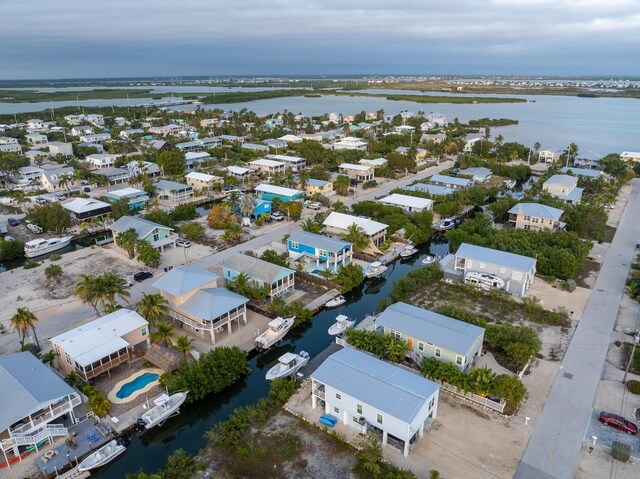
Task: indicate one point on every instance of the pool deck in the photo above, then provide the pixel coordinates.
(116, 400)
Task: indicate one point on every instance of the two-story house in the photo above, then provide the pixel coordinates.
(158, 236)
(136, 199)
(100, 161)
(564, 187)
(280, 280)
(173, 191)
(535, 216)
(359, 173)
(324, 252)
(338, 224)
(268, 166)
(270, 192)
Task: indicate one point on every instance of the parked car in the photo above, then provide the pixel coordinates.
(128, 282)
(86, 189)
(613, 420)
(314, 206)
(40, 200)
(9, 238)
(142, 275)
(183, 243)
(13, 222)
(277, 216)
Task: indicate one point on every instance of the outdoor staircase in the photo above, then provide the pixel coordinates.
(52, 430)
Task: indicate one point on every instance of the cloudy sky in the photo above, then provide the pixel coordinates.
(118, 38)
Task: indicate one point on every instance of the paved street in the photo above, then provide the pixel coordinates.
(553, 449)
(61, 318)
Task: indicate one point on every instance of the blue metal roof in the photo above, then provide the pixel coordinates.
(537, 210)
(183, 279)
(434, 190)
(319, 241)
(576, 171)
(318, 183)
(435, 328)
(376, 383)
(494, 256)
(143, 227)
(451, 180)
(211, 303)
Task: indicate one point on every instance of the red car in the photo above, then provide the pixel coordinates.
(613, 420)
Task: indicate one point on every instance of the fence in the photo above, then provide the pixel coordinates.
(483, 401)
(364, 257)
(310, 278)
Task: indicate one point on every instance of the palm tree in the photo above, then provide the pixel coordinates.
(341, 185)
(327, 273)
(64, 180)
(127, 241)
(23, 321)
(74, 380)
(310, 226)
(85, 291)
(247, 205)
(356, 236)
(233, 199)
(277, 179)
(110, 288)
(289, 179)
(21, 198)
(152, 307)
(233, 232)
(483, 379)
(242, 285)
(183, 345)
(633, 286)
(53, 272)
(304, 176)
(163, 333)
(49, 357)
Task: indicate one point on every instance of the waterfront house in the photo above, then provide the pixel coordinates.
(98, 346)
(450, 182)
(410, 204)
(350, 143)
(74, 119)
(199, 305)
(630, 156)
(34, 399)
(587, 160)
(324, 252)
(376, 162)
(97, 138)
(549, 155)
(50, 179)
(60, 148)
(268, 166)
(28, 175)
(99, 161)
(270, 192)
(405, 129)
(320, 187)
(202, 181)
(516, 271)
(36, 139)
(357, 172)
(535, 216)
(478, 175)
(95, 119)
(173, 191)
(369, 394)
(83, 209)
(294, 163)
(115, 176)
(338, 224)
(239, 171)
(564, 187)
(281, 280)
(35, 124)
(432, 335)
(136, 199)
(155, 234)
(468, 146)
(165, 130)
(81, 130)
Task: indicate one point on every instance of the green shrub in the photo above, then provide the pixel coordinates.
(11, 249)
(55, 257)
(621, 451)
(184, 212)
(31, 265)
(193, 230)
(633, 386)
(369, 184)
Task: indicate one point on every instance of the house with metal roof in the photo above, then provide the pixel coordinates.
(322, 252)
(50, 179)
(99, 161)
(450, 182)
(294, 163)
(432, 335)
(478, 174)
(337, 224)
(147, 168)
(83, 209)
(136, 199)
(348, 143)
(199, 305)
(275, 143)
(588, 159)
(371, 395)
(173, 191)
(195, 159)
(189, 146)
(115, 176)
(549, 155)
(239, 171)
(630, 156)
(96, 138)
(358, 172)
(280, 280)
(34, 399)
(155, 234)
(564, 187)
(410, 204)
(255, 147)
(535, 216)
(516, 271)
(270, 192)
(582, 172)
(203, 181)
(98, 346)
(433, 190)
(376, 162)
(268, 166)
(315, 186)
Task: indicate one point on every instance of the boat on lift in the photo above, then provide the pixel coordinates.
(276, 330)
(335, 302)
(375, 269)
(166, 407)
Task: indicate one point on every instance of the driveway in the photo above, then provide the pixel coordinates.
(606, 435)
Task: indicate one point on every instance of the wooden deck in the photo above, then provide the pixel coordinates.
(320, 301)
(316, 361)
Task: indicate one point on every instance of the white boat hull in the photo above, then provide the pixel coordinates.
(32, 253)
(159, 414)
(269, 338)
(102, 456)
(408, 253)
(374, 273)
(429, 260)
(334, 303)
(337, 329)
(276, 372)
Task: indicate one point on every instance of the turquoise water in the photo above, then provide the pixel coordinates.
(138, 383)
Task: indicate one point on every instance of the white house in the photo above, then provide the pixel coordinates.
(359, 173)
(549, 155)
(295, 163)
(97, 138)
(338, 224)
(100, 161)
(630, 155)
(468, 146)
(60, 148)
(410, 204)
(81, 130)
(369, 394)
(478, 175)
(350, 143)
(268, 166)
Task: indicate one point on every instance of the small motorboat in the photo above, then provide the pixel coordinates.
(341, 325)
(335, 302)
(430, 259)
(166, 407)
(375, 269)
(408, 251)
(288, 364)
(276, 330)
(102, 456)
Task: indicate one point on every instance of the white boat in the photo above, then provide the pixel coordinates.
(510, 184)
(483, 280)
(408, 251)
(287, 365)
(341, 325)
(165, 407)
(335, 302)
(102, 456)
(429, 260)
(41, 246)
(276, 330)
(375, 269)
(445, 224)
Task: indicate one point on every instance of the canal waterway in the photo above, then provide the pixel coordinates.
(150, 449)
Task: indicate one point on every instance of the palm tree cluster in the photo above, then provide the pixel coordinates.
(356, 236)
(102, 292)
(479, 381)
(384, 346)
(23, 322)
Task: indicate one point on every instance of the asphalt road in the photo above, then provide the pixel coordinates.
(553, 449)
(61, 318)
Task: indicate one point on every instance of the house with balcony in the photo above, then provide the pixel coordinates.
(409, 204)
(136, 199)
(159, 236)
(371, 395)
(337, 224)
(35, 400)
(81, 130)
(189, 146)
(165, 130)
(321, 251)
(564, 187)
(450, 182)
(115, 176)
(432, 335)
(35, 124)
(50, 179)
(294, 163)
(535, 216)
(173, 191)
(96, 119)
(27, 175)
(269, 192)
(280, 280)
(131, 133)
(290, 139)
(195, 159)
(147, 168)
(96, 138)
(630, 156)
(100, 345)
(275, 143)
(315, 186)
(516, 271)
(36, 139)
(358, 173)
(588, 159)
(98, 161)
(549, 155)
(199, 305)
(239, 172)
(350, 143)
(83, 209)
(74, 119)
(375, 162)
(268, 166)
(203, 181)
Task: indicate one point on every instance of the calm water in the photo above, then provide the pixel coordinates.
(187, 430)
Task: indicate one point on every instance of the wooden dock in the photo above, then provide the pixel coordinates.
(316, 361)
(320, 301)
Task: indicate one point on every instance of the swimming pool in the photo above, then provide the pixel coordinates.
(140, 382)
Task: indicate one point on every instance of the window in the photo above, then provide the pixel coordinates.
(395, 334)
(294, 245)
(420, 346)
(432, 403)
(322, 252)
(359, 408)
(338, 396)
(438, 353)
(527, 218)
(156, 237)
(535, 220)
(354, 419)
(68, 358)
(379, 418)
(336, 410)
(143, 331)
(429, 344)
(459, 360)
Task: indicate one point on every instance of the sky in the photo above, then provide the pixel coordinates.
(89, 39)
